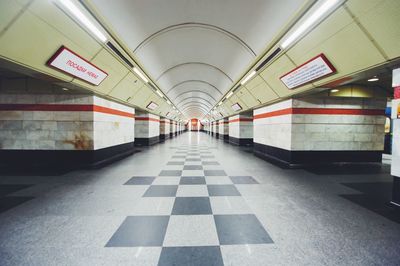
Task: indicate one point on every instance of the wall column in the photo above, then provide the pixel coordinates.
(224, 129)
(147, 129)
(310, 131)
(241, 130)
(164, 128)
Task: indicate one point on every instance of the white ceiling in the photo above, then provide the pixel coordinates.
(195, 49)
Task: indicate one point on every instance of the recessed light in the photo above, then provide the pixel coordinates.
(65, 89)
(373, 79)
(334, 90)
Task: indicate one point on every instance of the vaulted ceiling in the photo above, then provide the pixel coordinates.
(195, 49)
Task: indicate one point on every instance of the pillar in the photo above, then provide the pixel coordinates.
(172, 129)
(311, 131)
(241, 130)
(395, 167)
(147, 129)
(224, 129)
(62, 130)
(164, 128)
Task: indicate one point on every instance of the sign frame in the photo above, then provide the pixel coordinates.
(324, 59)
(240, 107)
(149, 106)
(63, 48)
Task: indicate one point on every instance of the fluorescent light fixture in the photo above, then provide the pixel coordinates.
(229, 94)
(65, 89)
(173, 107)
(252, 73)
(308, 23)
(168, 102)
(159, 93)
(334, 90)
(140, 74)
(219, 103)
(83, 19)
(373, 79)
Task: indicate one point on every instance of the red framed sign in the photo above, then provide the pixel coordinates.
(316, 68)
(236, 107)
(73, 64)
(152, 106)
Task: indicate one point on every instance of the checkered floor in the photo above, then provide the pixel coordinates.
(207, 211)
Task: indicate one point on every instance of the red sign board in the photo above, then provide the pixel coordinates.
(316, 68)
(76, 66)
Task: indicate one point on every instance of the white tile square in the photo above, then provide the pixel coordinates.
(192, 191)
(191, 230)
(167, 180)
(192, 162)
(192, 173)
(229, 205)
(218, 180)
(153, 206)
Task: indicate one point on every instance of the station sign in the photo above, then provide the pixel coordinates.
(236, 107)
(316, 68)
(152, 106)
(71, 63)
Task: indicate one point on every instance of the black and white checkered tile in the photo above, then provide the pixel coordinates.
(207, 211)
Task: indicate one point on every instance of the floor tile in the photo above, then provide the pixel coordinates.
(192, 206)
(240, 229)
(178, 156)
(192, 180)
(193, 163)
(153, 206)
(176, 163)
(191, 230)
(218, 180)
(170, 173)
(161, 191)
(140, 180)
(214, 173)
(222, 190)
(192, 191)
(138, 231)
(192, 173)
(6, 189)
(243, 180)
(207, 156)
(193, 256)
(193, 167)
(167, 180)
(229, 205)
(9, 202)
(193, 159)
(210, 163)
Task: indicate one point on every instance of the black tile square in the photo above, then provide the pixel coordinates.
(161, 191)
(138, 231)
(191, 206)
(170, 173)
(214, 173)
(192, 180)
(193, 159)
(140, 180)
(193, 167)
(210, 163)
(193, 154)
(243, 180)
(240, 229)
(222, 190)
(193, 256)
(176, 163)
(179, 156)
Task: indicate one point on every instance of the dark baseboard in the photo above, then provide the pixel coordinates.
(163, 137)
(302, 159)
(217, 135)
(147, 141)
(222, 136)
(171, 134)
(240, 142)
(226, 138)
(396, 192)
(37, 160)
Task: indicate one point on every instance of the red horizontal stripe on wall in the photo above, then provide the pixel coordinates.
(164, 122)
(241, 120)
(64, 108)
(147, 119)
(320, 111)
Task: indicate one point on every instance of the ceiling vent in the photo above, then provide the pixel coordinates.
(269, 58)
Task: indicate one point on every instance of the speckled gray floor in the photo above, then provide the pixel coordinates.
(195, 200)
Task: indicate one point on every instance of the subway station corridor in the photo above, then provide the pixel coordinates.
(195, 200)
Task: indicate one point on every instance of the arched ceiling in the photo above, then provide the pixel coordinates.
(194, 50)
